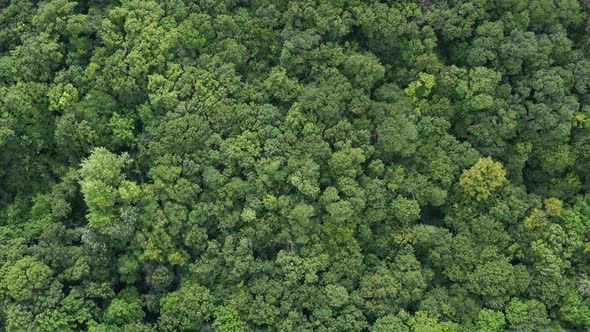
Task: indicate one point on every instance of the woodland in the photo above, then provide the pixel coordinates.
(282, 165)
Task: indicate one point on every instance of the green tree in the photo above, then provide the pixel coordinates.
(26, 278)
(490, 321)
(105, 189)
(527, 315)
(227, 319)
(124, 308)
(188, 308)
(405, 210)
(389, 323)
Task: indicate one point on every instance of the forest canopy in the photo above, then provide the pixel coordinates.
(309, 165)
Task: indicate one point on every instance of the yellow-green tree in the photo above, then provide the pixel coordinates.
(482, 178)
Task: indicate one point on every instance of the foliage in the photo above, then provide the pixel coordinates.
(176, 165)
(483, 178)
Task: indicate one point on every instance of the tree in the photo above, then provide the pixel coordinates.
(188, 308)
(280, 86)
(379, 289)
(423, 322)
(497, 280)
(482, 178)
(106, 191)
(389, 323)
(395, 135)
(26, 278)
(41, 67)
(363, 70)
(490, 321)
(526, 315)
(405, 210)
(346, 162)
(124, 308)
(227, 320)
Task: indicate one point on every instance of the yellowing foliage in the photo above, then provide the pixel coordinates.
(482, 178)
(537, 219)
(553, 206)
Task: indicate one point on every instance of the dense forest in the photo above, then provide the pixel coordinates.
(309, 165)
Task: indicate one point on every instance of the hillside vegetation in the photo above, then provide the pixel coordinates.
(311, 165)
